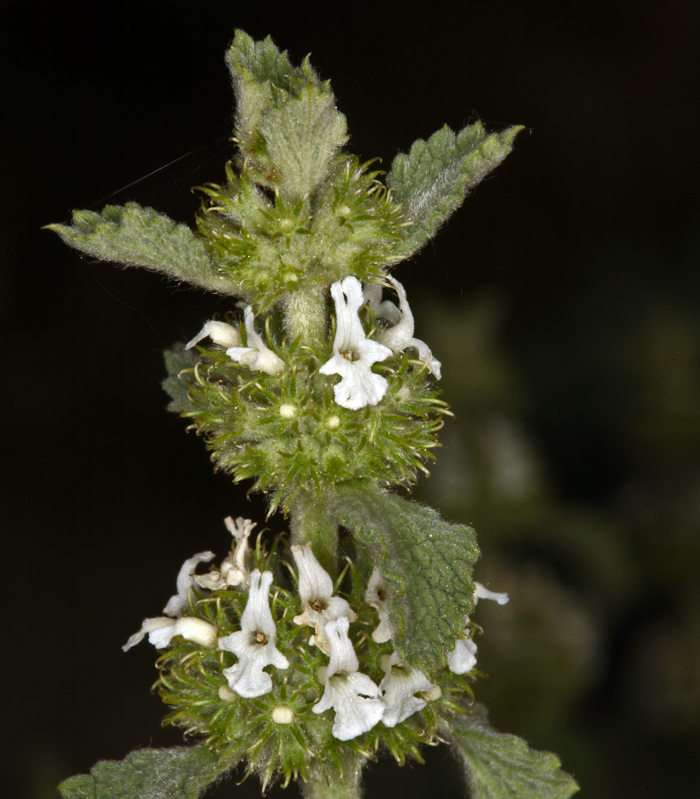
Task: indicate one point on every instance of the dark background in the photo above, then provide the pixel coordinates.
(562, 299)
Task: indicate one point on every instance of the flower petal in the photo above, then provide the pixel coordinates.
(220, 333)
(254, 643)
(185, 581)
(256, 356)
(398, 687)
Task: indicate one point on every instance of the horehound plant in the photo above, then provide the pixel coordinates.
(306, 657)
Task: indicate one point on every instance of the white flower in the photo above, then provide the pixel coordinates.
(254, 644)
(234, 569)
(316, 592)
(376, 596)
(381, 310)
(352, 695)
(256, 356)
(185, 581)
(483, 593)
(462, 658)
(399, 337)
(162, 630)
(220, 333)
(398, 687)
(353, 352)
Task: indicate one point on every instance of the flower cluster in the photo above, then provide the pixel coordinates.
(354, 353)
(303, 415)
(341, 681)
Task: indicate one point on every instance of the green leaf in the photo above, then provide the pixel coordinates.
(182, 772)
(262, 61)
(302, 136)
(286, 121)
(425, 561)
(432, 181)
(501, 766)
(256, 67)
(138, 236)
(177, 359)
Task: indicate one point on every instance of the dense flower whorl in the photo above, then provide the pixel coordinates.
(251, 658)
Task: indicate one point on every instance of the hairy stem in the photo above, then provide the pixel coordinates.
(305, 315)
(338, 789)
(309, 524)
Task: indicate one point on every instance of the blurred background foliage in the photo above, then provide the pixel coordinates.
(562, 301)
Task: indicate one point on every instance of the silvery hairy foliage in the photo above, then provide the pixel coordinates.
(355, 634)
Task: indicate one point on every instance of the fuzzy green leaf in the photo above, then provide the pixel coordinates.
(500, 766)
(426, 562)
(286, 120)
(302, 136)
(138, 236)
(256, 67)
(258, 62)
(432, 181)
(182, 772)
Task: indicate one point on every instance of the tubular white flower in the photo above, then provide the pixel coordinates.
(220, 333)
(352, 695)
(254, 644)
(376, 596)
(319, 606)
(161, 630)
(235, 568)
(462, 658)
(353, 352)
(185, 581)
(483, 593)
(256, 356)
(398, 687)
(399, 337)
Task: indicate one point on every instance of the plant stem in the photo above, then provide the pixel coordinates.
(305, 315)
(338, 789)
(309, 524)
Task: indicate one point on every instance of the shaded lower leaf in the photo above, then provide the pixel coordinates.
(426, 562)
(501, 766)
(176, 360)
(182, 772)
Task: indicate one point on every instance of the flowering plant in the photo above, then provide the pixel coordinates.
(306, 657)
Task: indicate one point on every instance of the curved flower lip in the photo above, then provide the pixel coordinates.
(399, 336)
(462, 658)
(220, 333)
(353, 353)
(235, 568)
(480, 592)
(319, 606)
(254, 643)
(376, 596)
(162, 629)
(398, 687)
(256, 356)
(353, 696)
(185, 580)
